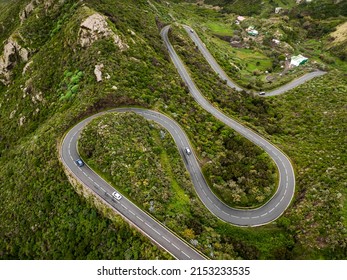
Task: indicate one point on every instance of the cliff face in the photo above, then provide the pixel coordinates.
(33, 4)
(95, 27)
(19, 46)
(13, 53)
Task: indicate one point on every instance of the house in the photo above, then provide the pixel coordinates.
(297, 60)
(252, 31)
(240, 18)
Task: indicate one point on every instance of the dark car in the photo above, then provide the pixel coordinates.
(79, 162)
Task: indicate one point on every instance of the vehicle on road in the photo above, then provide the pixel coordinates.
(79, 162)
(191, 30)
(188, 151)
(116, 195)
(262, 93)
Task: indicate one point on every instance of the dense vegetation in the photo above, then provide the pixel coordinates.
(322, 9)
(319, 9)
(140, 159)
(43, 217)
(9, 11)
(248, 7)
(313, 118)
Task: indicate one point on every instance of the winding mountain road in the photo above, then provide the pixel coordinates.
(146, 223)
(285, 191)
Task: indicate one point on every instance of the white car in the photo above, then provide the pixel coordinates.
(262, 93)
(188, 151)
(116, 195)
(79, 162)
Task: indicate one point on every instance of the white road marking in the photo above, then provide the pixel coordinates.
(167, 240)
(148, 225)
(233, 216)
(263, 214)
(185, 254)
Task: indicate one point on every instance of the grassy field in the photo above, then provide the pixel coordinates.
(219, 28)
(245, 59)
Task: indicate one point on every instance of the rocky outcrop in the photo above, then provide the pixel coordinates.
(26, 67)
(12, 54)
(21, 120)
(95, 27)
(98, 73)
(25, 13)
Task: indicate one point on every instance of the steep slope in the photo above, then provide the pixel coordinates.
(54, 87)
(338, 41)
(42, 217)
(247, 7)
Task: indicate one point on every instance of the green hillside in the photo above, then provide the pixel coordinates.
(42, 216)
(49, 66)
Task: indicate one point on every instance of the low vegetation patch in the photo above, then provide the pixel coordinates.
(70, 84)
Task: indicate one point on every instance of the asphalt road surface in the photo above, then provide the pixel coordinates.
(146, 223)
